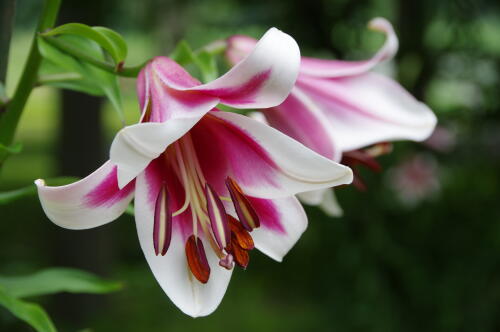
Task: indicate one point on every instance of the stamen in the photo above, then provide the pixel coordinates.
(244, 209)
(162, 229)
(379, 149)
(218, 217)
(240, 255)
(360, 157)
(197, 259)
(240, 234)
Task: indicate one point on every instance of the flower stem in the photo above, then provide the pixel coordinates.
(10, 118)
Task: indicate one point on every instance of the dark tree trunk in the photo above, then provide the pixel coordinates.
(413, 19)
(80, 152)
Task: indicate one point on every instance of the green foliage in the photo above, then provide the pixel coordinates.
(56, 280)
(65, 71)
(204, 60)
(45, 282)
(111, 41)
(31, 313)
(12, 149)
(3, 95)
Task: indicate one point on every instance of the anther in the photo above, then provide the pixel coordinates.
(162, 229)
(244, 209)
(241, 256)
(197, 259)
(240, 234)
(218, 217)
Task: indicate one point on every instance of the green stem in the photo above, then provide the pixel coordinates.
(10, 118)
(56, 78)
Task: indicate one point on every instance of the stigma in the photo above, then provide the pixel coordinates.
(212, 227)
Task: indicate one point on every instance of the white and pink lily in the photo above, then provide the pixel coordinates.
(207, 185)
(338, 106)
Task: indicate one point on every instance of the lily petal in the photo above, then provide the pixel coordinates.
(368, 109)
(90, 202)
(171, 92)
(338, 68)
(263, 161)
(330, 205)
(135, 146)
(238, 47)
(300, 118)
(263, 78)
(325, 199)
(282, 223)
(171, 270)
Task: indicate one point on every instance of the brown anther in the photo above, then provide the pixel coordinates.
(244, 209)
(241, 256)
(240, 234)
(197, 259)
(359, 157)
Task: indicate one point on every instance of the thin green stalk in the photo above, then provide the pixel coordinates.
(10, 118)
(57, 78)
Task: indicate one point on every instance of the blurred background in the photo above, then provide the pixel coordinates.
(419, 250)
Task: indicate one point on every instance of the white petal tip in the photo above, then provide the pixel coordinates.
(380, 24)
(270, 253)
(40, 183)
(348, 176)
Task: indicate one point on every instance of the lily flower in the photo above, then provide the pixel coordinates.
(208, 186)
(338, 106)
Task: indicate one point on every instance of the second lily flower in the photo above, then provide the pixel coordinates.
(338, 106)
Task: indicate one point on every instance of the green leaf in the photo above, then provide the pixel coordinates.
(116, 40)
(204, 61)
(92, 80)
(12, 149)
(3, 95)
(55, 280)
(31, 313)
(182, 54)
(57, 76)
(13, 195)
(111, 41)
(130, 210)
(207, 65)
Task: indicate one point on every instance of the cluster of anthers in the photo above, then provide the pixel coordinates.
(367, 158)
(229, 237)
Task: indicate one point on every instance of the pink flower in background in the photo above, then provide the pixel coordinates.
(338, 106)
(209, 186)
(415, 180)
(443, 139)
